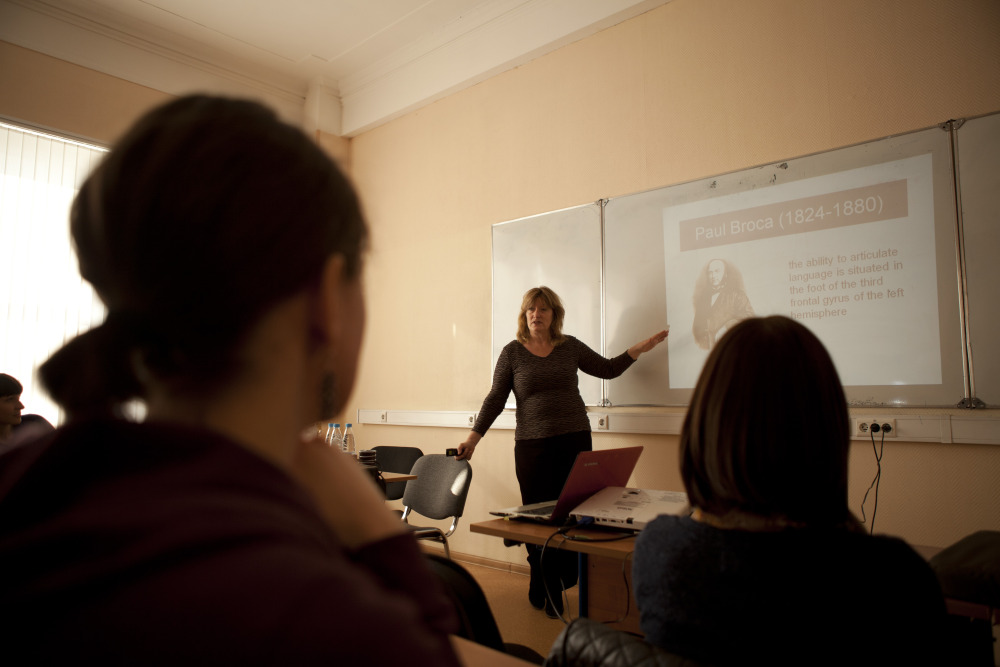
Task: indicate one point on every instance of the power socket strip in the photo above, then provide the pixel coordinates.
(866, 427)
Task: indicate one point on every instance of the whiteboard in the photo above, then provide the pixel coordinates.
(865, 245)
(561, 250)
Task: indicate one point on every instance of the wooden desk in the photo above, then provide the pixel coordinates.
(397, 477)
(606, 568)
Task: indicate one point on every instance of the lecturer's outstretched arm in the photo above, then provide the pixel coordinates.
(648, 344)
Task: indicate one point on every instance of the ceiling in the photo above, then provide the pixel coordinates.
(344, 66)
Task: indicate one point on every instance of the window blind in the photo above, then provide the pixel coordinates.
(43, 300)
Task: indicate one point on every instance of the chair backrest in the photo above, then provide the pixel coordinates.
(476, 620)
(441, 486)
(396, 459)
(588, 643)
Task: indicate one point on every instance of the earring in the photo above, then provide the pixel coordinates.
(327, 396)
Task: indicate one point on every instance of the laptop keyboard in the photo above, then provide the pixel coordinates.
(540, 511)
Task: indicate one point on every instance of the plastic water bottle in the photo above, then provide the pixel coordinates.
(328, 434)
(349, 445)
(333, 437)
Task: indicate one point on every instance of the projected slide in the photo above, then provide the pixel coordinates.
(851, 255)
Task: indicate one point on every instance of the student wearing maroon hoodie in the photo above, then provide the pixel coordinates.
(228, 250)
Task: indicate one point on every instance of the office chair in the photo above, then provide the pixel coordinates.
(476, 619)
(438, 492)
(969, 574)
(588, 643)
(396, 459)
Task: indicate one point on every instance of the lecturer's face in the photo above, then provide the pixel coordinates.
(716, 272)
(539, 317)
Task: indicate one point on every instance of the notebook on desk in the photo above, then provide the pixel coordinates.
(631, 509)
(591, 472)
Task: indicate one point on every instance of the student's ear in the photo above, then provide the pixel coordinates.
(328, 305)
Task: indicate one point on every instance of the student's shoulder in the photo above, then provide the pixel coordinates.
(901, 557)
(664, 529)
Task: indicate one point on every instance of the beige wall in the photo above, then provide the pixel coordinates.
(51, 93)
(691, 89)
(694, 88)
(338, 148)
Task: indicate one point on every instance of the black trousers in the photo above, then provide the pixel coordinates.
(542, 466)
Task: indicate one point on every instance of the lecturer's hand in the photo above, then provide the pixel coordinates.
(648, 344)
(468, 448)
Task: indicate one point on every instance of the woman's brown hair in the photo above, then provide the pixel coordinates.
(767, 431)
(207, 213)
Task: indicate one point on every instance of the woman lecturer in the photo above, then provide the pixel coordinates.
(552, 426)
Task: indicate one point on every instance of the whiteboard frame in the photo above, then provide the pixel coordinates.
(628, 311)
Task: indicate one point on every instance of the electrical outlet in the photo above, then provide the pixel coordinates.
(865, 427)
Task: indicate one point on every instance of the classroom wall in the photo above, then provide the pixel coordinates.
(688, 90)
(50, 93)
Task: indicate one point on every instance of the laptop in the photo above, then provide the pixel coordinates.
(591, 472)
(630, 509)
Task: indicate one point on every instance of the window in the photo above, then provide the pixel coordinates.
(43, 300)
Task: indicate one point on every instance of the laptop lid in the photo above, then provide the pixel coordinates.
(591, 472)
(632, 509)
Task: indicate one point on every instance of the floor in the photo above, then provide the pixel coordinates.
(519, 622)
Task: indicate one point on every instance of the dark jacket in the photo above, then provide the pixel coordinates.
(151, 544)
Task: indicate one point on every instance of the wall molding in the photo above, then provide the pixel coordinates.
(936, 427)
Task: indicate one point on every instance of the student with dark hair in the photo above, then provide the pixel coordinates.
(17, 428)
(10, 405)
(228, 250)
(772, 567)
